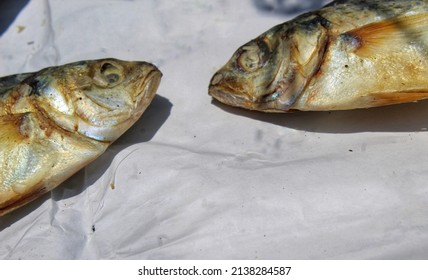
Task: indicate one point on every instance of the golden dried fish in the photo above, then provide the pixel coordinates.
(56, 121)
(348, 54)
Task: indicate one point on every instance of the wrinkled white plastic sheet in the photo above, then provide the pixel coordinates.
(194, 179)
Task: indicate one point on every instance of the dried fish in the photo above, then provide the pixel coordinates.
(56, 121)
(349, 54)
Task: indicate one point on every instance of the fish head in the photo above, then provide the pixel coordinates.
(99, 99)
(270, 72)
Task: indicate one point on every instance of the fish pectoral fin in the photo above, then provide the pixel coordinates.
(389, 98)
(389, 35)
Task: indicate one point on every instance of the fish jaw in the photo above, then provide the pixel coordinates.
(237, 99)
(278, 94)
(229, 89)
(146, 89)
(229, 92)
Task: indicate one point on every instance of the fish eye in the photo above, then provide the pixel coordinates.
(108, 75)
(112, 78)
(249, 59)
(253, 56)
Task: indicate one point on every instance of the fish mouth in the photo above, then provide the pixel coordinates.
(230, 97)
(146, 90)
(147, 84)
(229, 92)
(241, 100)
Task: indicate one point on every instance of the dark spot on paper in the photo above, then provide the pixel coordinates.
(278, 143)
(259, 135)
(162, 239)
(21, 28)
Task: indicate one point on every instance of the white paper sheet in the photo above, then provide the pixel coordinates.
(198, 180)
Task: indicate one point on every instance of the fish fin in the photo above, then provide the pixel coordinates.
(390, 98)
(389, 35)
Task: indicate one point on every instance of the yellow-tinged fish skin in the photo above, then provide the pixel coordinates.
(349, 54)
(56, 121)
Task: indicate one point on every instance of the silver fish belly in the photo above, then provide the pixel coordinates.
(56, 121)
(349, 54)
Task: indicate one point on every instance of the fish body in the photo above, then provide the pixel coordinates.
(56, 121)
(349, 54)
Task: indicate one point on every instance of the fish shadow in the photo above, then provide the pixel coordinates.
(142, 131)
(408, 117)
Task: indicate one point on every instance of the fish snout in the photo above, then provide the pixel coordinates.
(147, 81)
(228, 89)
(229, 96)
